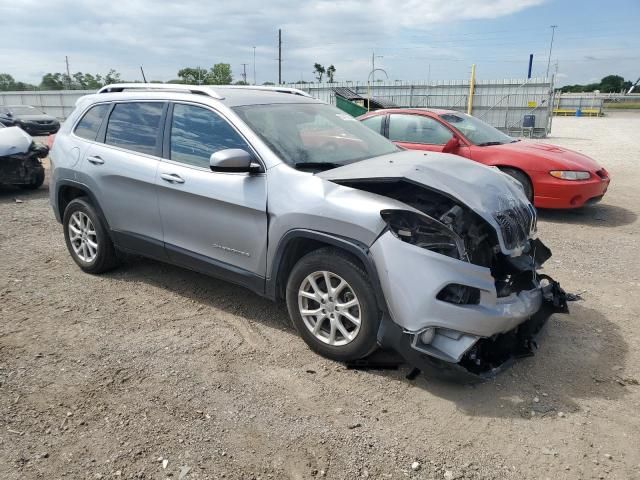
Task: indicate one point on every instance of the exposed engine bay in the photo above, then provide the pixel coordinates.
(475, 241)
(450, 228)
(20, 159)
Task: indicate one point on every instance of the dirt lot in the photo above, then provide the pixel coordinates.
(111, 376)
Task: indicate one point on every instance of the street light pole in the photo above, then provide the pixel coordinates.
(553, 31)
(254, 65)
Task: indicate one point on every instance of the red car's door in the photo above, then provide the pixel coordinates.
(419, 132)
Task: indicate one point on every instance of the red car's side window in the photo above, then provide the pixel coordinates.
(417, 129)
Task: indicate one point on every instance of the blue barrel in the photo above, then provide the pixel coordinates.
(529, 121)
(578, 112)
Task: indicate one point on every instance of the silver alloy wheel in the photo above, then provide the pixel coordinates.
(329, 308)
(83, 236)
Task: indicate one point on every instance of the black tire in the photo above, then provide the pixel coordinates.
(105, 258)
(36, 183)
(343, 265)
(523, 178)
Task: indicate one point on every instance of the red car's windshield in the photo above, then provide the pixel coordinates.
(476, 131)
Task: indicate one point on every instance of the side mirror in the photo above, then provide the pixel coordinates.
(452, 145)
(233, 160)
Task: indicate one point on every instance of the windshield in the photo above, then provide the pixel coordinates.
(476, 131)
(314, 135)
(25, 110)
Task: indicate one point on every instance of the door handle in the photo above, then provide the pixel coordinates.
(96, 160)
(172, 178)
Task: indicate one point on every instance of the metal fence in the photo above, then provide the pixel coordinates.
(502, 104)
(588, 104)
(59, 103)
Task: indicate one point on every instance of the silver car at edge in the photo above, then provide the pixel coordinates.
(425, 254)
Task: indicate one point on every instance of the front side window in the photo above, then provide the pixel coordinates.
(418, 129)
(313, 135)
(374, 123)
(197, 132)
(135, 126)
(90, 124)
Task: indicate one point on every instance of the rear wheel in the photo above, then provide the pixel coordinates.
(87, 240)
(523, 178)
(332, 305)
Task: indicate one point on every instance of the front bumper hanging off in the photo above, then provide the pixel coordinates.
(488, 356)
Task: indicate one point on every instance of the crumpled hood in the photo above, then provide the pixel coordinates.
(486, 190)
(555, 157)
(14, 140)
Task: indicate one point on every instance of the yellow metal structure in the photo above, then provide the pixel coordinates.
(472, 82)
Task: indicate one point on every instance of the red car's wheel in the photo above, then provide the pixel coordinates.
(523, 178)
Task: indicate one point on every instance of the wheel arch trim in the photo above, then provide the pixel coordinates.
(80, 186)
(352, 246)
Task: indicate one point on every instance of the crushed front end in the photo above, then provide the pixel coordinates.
(462, 290)
(20, 158)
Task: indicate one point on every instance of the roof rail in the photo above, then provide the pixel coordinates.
(162, 87)
(269, 88)
(209, 90)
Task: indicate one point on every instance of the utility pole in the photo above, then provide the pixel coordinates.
(66, 60)
(254, 65)
(553, 31)
(373, 66)
(143, 77)
(279, 56)
(244, 72)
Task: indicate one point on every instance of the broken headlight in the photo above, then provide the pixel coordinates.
(424, 232)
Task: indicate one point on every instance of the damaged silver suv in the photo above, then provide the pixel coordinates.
(429, 255)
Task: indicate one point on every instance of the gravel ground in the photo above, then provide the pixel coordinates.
(156, 372)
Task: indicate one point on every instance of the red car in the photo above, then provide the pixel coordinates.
(552, 177)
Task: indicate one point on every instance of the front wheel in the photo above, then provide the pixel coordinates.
(523, 178)
(332, 305)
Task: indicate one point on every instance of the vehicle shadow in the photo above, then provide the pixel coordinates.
(581, 356)
(9, 193)
(203, 290)
(599, 215)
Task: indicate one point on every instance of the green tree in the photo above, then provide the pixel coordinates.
(220, 74)
(112, 77)
(54, 81)
(268, 84)
(7, 82)
(331, 71)
(241, 82)
(612, 83)
(193, 76)
(319, 71)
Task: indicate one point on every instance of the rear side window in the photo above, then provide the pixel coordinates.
(135, 126)
(417, 129)
(90, 124)
(197, 132)
(374, 123)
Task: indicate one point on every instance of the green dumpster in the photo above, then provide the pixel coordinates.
(351, 108)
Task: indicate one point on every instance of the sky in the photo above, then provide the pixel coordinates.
(412, 40)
